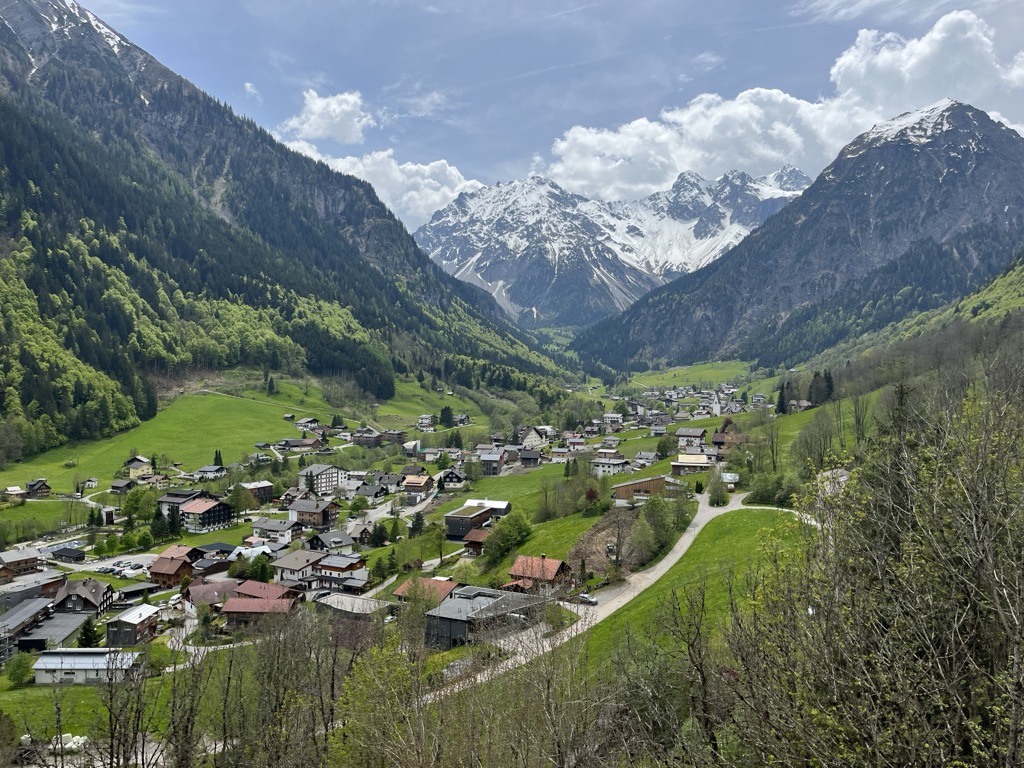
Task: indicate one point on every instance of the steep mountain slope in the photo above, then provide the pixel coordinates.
(550, 257)
(911, 214)
(149, 229)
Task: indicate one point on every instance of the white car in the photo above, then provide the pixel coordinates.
(587, 599)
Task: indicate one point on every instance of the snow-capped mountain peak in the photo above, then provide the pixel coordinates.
(554, 257)
(917, 126)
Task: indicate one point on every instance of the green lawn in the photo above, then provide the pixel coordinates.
(32, 707)
(726, 543)
(702, 374)
(47, 514)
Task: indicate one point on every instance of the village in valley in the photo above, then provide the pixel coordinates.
(166, 557)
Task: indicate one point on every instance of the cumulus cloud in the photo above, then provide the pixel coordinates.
(412, 190)
(879, 76)
(340, 117)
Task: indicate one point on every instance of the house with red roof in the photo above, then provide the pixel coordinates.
(433, 589)
(537, 574)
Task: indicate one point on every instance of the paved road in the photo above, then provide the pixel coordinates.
(529, 644)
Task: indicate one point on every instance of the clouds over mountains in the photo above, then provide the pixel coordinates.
(879, 75)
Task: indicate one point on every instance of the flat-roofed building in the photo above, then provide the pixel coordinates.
(473, 514)
(81, 666)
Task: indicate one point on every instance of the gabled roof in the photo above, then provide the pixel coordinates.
(335, 539)
(168, 566)
(273, 524)
(91, 590)
(198, 506)
(182, 550)
(250, 588)
(538, 568)
(299, 559)
(20, 555)
(309, 505)
(136, 615)
(691, 432)
(434, 588)
(256, 605)
(478, 535)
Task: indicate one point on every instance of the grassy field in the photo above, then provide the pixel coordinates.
(48, 514)
(189, 430)
(32, 707)
(411, 400)
(703, 374)
(726, 543)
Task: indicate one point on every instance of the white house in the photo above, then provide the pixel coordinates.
(79, 666)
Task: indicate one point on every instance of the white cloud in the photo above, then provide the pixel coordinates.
(706, 61)
(252, 90)
(339, 117)
(412, 190)
(879, 76)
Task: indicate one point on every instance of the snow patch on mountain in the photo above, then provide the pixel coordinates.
(620, 250)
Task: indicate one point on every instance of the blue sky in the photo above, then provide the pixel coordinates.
(610, 99)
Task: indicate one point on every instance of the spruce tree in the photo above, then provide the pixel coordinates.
(218, 460)
(89, 634)
(416, 524)
(174, 523)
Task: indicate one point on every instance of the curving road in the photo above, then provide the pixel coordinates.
(527, 645)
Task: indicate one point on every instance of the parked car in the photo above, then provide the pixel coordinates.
(587, 599)
(136, 566)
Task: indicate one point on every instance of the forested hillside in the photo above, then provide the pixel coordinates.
(146, 229)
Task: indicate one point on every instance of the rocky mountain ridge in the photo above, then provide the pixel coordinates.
(551, 257)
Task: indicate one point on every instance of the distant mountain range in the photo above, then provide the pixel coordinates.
(912, 214)
(550, 257)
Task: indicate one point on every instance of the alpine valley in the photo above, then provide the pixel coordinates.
(912, 214)
(550, 257)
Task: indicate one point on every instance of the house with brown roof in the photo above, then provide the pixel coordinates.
(243, 611)
(257, 589)
(312, 513)
(169, 572)
(192, 554)
(537, 574)
(474, 540)
(207, 593)
(434, 590)
(418, 486)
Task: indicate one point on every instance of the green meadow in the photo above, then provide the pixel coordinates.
(700, 375)
(729, 543)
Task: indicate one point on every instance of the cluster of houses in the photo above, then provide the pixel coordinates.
(40, 607)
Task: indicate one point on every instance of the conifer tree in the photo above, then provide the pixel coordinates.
(89, 634)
